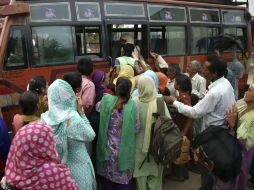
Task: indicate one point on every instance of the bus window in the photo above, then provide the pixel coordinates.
(52, 45)
(168, 40)
(14, 55)
(88, 40)
(136, 31)
(239, 32)
(203, 39)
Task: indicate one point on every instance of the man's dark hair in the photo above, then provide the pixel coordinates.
(194, 99)
(123, 88)
(85, 66)
(184, 83)
(128, 49)
(166, 92)
(28, 102)
(74, 79)
(175, 68)
(218, 65)
(37, 83)
(164, 71)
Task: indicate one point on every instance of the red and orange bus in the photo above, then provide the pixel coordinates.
(56, 33)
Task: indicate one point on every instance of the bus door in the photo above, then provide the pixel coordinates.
(138, 32)
(121, 18)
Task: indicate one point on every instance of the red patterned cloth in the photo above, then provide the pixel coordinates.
(33, 162)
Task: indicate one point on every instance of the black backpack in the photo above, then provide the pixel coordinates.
(222, 149)
(166, 138)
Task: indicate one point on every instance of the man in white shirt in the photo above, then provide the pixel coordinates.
(219, 98)
(198, 82)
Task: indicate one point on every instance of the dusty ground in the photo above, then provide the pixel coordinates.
(192, 184)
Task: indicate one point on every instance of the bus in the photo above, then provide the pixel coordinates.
(56, 33)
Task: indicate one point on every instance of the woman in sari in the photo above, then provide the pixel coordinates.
(116, 139)
(245, 134)
(149, 176)
(71, 128)
(33, 162)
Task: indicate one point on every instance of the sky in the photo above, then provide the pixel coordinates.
(251, 6)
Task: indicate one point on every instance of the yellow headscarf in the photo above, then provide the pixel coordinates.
(128, 72)
(147, 94)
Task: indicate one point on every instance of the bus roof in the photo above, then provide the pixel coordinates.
(222, 2)
(4, 2)
(15, 9)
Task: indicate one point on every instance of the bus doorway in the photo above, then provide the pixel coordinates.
(136, 32)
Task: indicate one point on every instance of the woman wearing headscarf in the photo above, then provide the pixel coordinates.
(116, 139)
(71, 128)
(163, 81)
(128, 72)
(245, 134)
(151, 74)
(149, 176)
(33, 162)
(100, 80)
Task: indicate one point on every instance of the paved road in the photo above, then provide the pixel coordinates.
(192, 184)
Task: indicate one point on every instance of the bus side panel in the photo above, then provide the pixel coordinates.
(13, 83)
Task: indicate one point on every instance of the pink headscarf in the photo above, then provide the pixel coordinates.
(33, 162)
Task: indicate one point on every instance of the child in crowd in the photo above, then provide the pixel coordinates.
(39, 85)
(28, 102)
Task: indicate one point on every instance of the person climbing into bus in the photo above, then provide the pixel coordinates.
(130, 56)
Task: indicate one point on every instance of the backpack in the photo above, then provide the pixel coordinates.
(166, 138)
(222, 149)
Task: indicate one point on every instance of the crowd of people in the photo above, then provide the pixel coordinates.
(92, 130)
